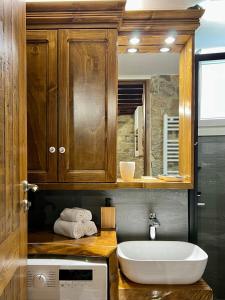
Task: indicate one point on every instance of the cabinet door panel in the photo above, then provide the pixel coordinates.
(87, 105)
(42, 105)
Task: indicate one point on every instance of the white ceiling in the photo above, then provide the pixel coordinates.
(211, 33)
(159, 4)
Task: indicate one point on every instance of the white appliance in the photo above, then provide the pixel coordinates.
(67, 279)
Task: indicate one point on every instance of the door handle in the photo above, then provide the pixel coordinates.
(201, 203)
(29, 186)
(26, 205)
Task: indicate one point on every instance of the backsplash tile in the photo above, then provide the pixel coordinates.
(132, 206)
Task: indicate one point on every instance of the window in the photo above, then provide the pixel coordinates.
(212, 92)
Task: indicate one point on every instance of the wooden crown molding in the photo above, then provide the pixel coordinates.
(76, 12)
(161, 21)
(111, 13)
(153, 26)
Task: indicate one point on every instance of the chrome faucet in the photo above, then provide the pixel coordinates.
(153, 224)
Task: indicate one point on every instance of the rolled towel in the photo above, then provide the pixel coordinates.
(73, 230)
(90, 228)
(76, 214)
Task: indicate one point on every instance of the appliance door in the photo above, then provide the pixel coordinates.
(67, 279)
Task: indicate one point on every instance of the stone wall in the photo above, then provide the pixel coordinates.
(164, 95)
(164, 99)
(125, 145)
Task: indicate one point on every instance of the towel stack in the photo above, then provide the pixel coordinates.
(75, 223)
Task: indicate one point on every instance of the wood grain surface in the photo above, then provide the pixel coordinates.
(90, 14)
(133, 291)
(87, 105)
(101, 245)
(13, 144)
(120, 184)
(159, 22)
(113, 276)
(108, 217)
(42, 105)
(186, 111)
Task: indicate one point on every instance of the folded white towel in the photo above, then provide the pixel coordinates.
(73, 230)
(90, 228)
(76, 214)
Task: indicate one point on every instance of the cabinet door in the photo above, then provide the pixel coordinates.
(42, 105)
(87, 105)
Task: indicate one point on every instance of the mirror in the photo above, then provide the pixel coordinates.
(148, 109)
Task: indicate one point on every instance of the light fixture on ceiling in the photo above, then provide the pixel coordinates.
(134, 40)
(164, 49)
(132, 50)
(170, 40)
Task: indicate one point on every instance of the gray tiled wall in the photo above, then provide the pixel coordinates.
(132, 206)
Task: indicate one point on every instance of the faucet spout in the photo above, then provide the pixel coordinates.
(152, 233)
(153, 224)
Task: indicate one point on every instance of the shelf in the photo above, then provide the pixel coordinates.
(120, 184)
(47, 243)
(154, 184)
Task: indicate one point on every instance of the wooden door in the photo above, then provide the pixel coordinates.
(87, 105)
(42, 105)
(13, 166)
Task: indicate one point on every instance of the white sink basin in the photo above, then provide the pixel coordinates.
(161, 262)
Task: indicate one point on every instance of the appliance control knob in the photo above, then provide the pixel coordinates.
(39, 281)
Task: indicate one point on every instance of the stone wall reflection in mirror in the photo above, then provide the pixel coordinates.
(148, 86)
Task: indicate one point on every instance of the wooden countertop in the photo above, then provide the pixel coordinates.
(132, 291)
(46, 242)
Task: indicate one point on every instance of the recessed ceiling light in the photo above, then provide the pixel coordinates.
(164, 49)
(132, 50)
(170, 40)
(134, 40)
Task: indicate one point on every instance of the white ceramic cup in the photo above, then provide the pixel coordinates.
(127, 169)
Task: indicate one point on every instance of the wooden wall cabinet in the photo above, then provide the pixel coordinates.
(42, 105)
(72, 89)
(77, 120)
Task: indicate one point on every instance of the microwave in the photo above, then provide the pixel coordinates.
(67, 279)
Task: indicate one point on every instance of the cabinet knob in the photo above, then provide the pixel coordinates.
(62, 150)
(52, 149)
